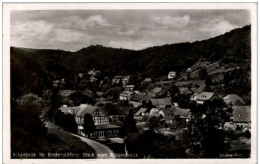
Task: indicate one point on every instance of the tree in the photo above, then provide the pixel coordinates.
(59, 118)
(129, 125)
(203, 73)
(89, 124)
(208, 82)
(70, 124)
(27, 126)
(155, 123)
(174, 91)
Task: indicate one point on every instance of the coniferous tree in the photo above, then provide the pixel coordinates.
(89, 124)
(130, 123)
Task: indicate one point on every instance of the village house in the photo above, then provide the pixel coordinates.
(116, 79)
(212, 66)
(183, 115)
(141, 113)
(172, 75)
(66, 93)
(81, 75)
(93, 72)
(129, 88)
(233, 99)
(203, 97)
(125, 80)
(56, 83)
(156, 92)
(147, 80)
(103, 129)
(168, 115)
(161, 103)
(139, 99)
(241, 116)
(127, 93)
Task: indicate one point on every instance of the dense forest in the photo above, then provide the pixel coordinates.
(33, 70)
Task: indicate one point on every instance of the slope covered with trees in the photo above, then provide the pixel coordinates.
(33, 70)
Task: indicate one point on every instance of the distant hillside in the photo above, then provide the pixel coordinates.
(32, 70)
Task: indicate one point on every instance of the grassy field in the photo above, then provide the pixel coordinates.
(59, 141)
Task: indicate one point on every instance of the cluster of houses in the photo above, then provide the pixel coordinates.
(154, 103)
(240, 117)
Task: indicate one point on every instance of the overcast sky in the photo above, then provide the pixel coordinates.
(132, 29)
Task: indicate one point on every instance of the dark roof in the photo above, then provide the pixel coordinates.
(141, 110)
(168, 114)
(106, 126)
(241, 113)
(182, 112)
(156, 90)
(204, 96)
(161, 102)
(233, 99)
(140, 97)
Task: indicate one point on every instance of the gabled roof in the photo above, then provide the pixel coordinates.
(241, 114)
(161, 101)
(194, 97)
(107, 126)
(66, 93)
(204, 96)
(182, 112)
(147, 79)
(140, 97)
(71, 110)
(233, 99)
(168, 114)
(125, 93)
(156, 90)
(129, 86)
(84, 109)
(141, 110)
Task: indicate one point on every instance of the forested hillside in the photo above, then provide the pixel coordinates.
(33, 70)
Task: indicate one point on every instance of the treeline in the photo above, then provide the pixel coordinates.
(32, 70)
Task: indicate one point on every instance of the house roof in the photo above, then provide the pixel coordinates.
(141, 110)
(72, 110)
(233, 99)
(84, 109)
(204, 96)
(230, 125)
(140, 97)
(65, 93)
(116, 80)
(129, 86)
(241, 113)
(168, 114)
(156, 90)
(161, 102)
(106, 126)
(147, 79)
(194, 97)
(182, 112)
(126, 93)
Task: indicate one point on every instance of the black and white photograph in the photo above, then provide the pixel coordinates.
(152, 81)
